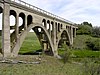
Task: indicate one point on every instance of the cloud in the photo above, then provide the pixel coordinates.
(73, 10)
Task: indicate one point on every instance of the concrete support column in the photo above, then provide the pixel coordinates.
(54, 32)
(45, 25)
(25, 27)
(45, 46)
(71, 35)
(17, 27)
(6, 31)
(49, 29)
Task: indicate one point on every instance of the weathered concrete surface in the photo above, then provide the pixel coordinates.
(6, 31)
(52, 28)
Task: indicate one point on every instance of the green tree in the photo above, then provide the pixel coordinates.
(96, 32)
(86, 23)
(84, 29)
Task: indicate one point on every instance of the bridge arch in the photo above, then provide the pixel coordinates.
(33, 26)
(61, 34)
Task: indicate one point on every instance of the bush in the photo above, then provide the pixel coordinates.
(93, 44)
(65, 53)
(84, 29)
(90, 67)
(96, 32)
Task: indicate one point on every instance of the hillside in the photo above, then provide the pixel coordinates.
(80, 41)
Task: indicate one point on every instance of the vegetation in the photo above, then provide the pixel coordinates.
(85, 54)
(93, 44)
(86, 28)
(65, 54)
(84, 57)
(30, 44)
(48, 66)
(96, 32)
(92, 41)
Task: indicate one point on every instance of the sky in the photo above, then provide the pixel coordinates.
(76, 11)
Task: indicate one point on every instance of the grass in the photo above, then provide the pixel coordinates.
(30, 44)
(86, 53)
(49, 66)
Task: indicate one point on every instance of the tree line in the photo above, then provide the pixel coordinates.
(86, 28)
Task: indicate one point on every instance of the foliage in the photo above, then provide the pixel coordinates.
(84, 29)
(93, 44)
(90, 67)
(86, 23)
(96, 32)
(65, 53)
(80, 42)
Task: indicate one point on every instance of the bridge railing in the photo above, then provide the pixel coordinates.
(41, 10)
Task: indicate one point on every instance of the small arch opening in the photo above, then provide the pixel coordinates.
(48, 25)
(58, 27)
(12, 21)
(29, 19)
(61, 26)
(21, 22)
(39, 29)
(1, 11)
(52, 23)
(44, 22)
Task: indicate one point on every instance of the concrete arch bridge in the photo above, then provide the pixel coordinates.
(50, 29)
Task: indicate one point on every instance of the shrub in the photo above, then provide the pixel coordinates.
(93, 44)
(90, 67)
(96, 32)
(66, 53)
(84, 29)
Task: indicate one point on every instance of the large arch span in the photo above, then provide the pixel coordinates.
(22, 37)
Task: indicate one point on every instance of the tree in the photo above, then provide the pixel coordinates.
(96, 32)
(86, 23)
(84, 29)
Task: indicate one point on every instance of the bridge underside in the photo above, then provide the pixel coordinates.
(51, 31)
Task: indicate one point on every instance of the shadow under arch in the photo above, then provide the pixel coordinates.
(67, 36)
(22, 37)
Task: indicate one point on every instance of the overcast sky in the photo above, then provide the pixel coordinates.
(74, 10)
